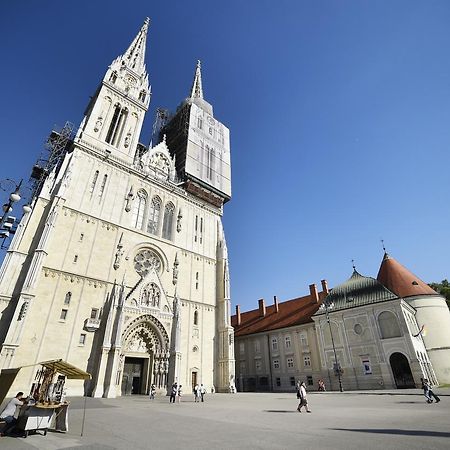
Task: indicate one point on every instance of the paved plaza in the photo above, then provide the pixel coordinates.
(387, 420)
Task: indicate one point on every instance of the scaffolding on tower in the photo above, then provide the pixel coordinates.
(57, 145)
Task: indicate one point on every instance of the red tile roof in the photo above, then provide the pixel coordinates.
(292, 312)
(400, 280)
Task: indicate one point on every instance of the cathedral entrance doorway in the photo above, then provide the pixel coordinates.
(194, 380)
(401, 371)
(133, 381)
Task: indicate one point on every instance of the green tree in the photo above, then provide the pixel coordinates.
(442, 288)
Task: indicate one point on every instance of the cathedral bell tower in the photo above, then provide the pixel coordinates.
(114, 116)
(201, 145)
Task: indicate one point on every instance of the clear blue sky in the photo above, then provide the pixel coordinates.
(339, 114)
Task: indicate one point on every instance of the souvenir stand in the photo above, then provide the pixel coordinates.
(46, 406)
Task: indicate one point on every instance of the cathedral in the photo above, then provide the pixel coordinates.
(121, 268)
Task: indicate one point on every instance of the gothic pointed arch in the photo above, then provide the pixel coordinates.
(146, 333)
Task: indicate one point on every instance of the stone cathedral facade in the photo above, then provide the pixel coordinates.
(121, 267)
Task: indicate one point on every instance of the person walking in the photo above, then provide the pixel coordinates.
(173, 393)
(428, 390)
(179, 393)
(303, 400)
(202, 392)
(196, 393)
(9, 412)
(152, 392)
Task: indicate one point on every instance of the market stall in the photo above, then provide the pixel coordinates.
(46, 407)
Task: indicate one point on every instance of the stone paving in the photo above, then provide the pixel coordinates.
(350, 420)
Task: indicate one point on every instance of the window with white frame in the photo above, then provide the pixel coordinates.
(276, 363)
(287, 341)
(307, 360)
(257, 346)
(241, 348)
(303, 339)
(274, 344)
(82, 340)
(290, 363)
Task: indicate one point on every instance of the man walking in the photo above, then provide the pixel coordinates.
(202, 392)
(173, 393)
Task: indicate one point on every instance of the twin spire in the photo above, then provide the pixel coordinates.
(134, 59)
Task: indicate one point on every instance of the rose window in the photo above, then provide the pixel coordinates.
(145, 260)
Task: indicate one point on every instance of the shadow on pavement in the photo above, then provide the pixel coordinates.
(396, 431)
(280, 411)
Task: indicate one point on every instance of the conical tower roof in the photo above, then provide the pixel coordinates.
(400, 280)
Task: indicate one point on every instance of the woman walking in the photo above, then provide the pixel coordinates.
(303, 400)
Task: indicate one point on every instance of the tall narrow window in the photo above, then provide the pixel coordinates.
(201, 229)
(117, 137)
(102, 187)
(153, 216)
(113, 77)
(142, 96)
(196, 280)
(195, 317)
(137, 217)
(113, 124)
(94, 182)
(168, 221)
(196, 229)
(67, 298)
(212, 156)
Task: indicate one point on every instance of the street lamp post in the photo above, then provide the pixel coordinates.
(337, 366)
(6, 221)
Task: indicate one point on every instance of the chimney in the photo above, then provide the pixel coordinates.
(325, 286)
(275, 302)
(238, 315)
(314, 294)
(262, 307)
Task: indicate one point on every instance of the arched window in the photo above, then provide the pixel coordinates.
(168, 221)
(67, 298)
(117, 125)
(389, 327)
(195, 317)
(94, 182)
(137, 217)
(153, 216)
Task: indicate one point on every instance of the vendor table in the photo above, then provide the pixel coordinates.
(42, 417)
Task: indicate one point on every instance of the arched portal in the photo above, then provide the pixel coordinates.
(144, 359)
(401, 371)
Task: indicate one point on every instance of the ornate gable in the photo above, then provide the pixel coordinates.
(149, 296)
(158, 162)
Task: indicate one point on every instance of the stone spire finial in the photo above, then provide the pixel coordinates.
(197, 89)
(134, 57)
